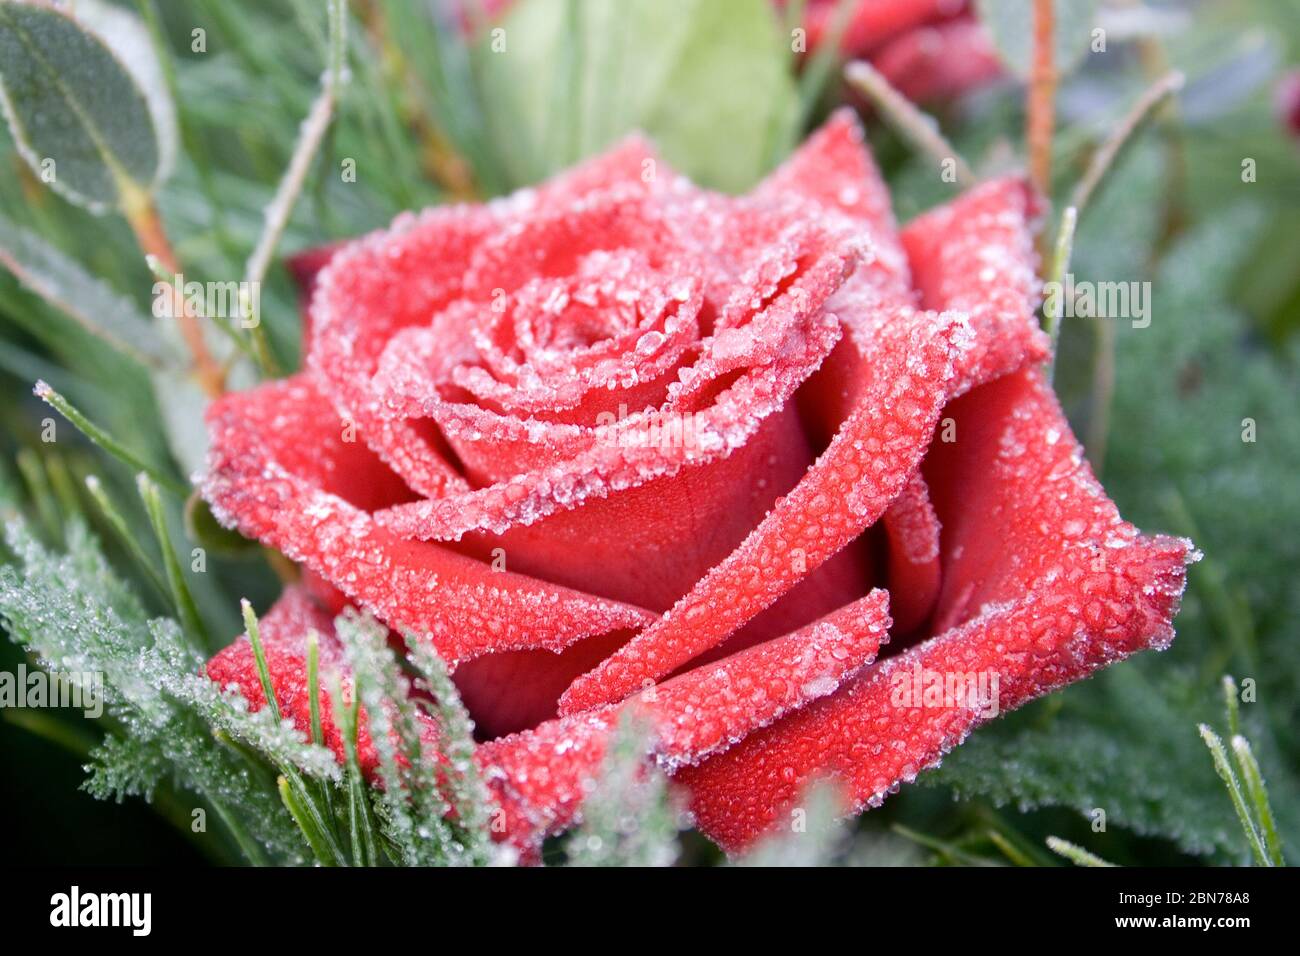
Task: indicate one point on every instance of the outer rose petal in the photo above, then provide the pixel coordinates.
(283, 631)
(345, 351)
(975, 255)
(541, 776)
(834, 168)
(1064, 587)
(871, 744)
(281, 472)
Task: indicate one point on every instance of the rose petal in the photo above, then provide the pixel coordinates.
(834, 168)
(279, 470)
(541, 776)
(345, 350)
(912, 532)
(863, 470)
(871, 744)
(1043, 584)
(975, 255)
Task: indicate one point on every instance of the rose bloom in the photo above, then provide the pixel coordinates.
(766, 470)
(927, 49)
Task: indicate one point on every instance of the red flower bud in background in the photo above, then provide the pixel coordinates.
(927, 49)
(1286, 98)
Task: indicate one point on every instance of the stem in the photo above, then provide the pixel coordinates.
(1104, 158)
(29, 466)
(1254, 780)
(1103, 388)
(917, 127)
(1075, 853)
(1229, 778)
(118, 524)
(1060, 262)
(286, 194)
(142, 215)
(259, 658)
(247, 844)
(438, 156)
(185, 606)
(1231, 705)
(1173, 215)
(326, 854)
(1041, 109)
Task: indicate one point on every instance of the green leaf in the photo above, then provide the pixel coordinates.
(84, 109)
(1011, 24)
(103, 439)
(1229, 777)
(91, 302)
(707, 82)
(466, 791)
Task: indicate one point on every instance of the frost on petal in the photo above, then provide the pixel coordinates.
(633, 161)
(541, 776)
(282, 472)
(647, 544)
(599, 506)
(912, 532)
(369, 290)
(835, 168)
(862, 471)
(284, 631)
(976, 256)
(1043, 584)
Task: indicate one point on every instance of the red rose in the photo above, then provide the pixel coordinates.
(618, 442)
(927, 49)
